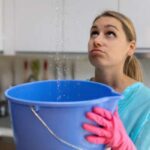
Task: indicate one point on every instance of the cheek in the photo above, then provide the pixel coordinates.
(89, 45)
(119, 57)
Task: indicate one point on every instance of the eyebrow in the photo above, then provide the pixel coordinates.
(106, 26)
(94, 27)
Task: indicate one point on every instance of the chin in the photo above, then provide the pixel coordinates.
(96, 63)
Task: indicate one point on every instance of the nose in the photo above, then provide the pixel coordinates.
(98, 41)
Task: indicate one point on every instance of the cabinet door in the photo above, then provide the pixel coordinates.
(138, 12)
(78, 17)
(37, 25)
(1, 23)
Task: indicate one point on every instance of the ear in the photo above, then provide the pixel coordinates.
(132, 47)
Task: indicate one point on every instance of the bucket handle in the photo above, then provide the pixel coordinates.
(52, 133)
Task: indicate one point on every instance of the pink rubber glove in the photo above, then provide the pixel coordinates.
(111, 131)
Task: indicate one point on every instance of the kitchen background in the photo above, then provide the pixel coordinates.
(20, 69)
(47, 39)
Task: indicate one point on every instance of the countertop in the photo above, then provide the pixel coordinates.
(5, 127)
(5, 122)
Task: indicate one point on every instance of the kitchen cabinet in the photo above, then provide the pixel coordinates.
(1, 24)
(35, 24)
(62, 25)
(78, 17)
(7, 143)
(8, 26)
(138, 12)
(50, 25)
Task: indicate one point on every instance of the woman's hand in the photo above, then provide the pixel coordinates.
(109, 130)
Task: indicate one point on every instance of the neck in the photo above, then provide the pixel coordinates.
(117, 80)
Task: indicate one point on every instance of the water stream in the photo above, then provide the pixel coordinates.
(60, 57)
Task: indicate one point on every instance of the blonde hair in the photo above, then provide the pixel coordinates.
(132, 66)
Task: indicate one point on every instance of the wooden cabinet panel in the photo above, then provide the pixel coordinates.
(138, 12)
(36, 25)
(7, 144)
(1, 26)
(51, 25)
(78, 17)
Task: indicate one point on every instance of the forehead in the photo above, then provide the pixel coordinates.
(106, 22)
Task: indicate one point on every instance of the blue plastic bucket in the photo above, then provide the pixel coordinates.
(48, 115)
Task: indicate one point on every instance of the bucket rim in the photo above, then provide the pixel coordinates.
(62, 104)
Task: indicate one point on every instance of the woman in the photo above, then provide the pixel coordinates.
(111, 47)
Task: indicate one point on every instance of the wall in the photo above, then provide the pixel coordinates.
(146, 69)
(83, 65)
(59, 67)
(77, 67)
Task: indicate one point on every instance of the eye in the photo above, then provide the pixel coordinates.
(94, 33)
(110, 34)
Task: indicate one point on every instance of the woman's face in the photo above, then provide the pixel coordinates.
(108, 45)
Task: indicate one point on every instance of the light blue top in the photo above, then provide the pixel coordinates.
(134, 111)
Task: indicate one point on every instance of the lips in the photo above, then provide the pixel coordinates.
(96, 52)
